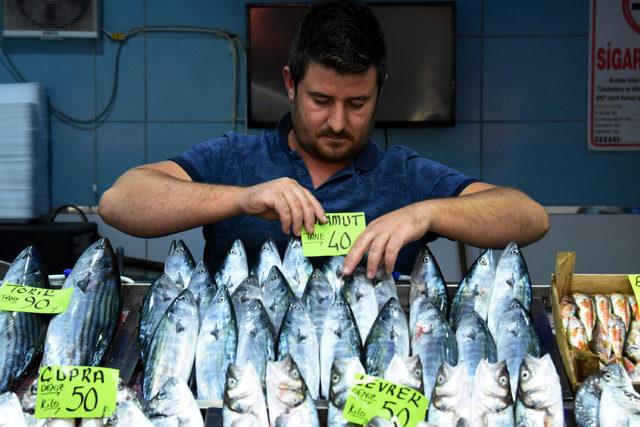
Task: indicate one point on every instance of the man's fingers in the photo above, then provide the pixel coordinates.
(357, 251)
(318, 210)
(284, 215)
(307, 212)
(376, 251)
(391, 254)
(295, 207)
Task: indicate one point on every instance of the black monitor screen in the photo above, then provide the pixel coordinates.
(419, 90)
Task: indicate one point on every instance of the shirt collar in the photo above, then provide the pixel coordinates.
(366, 160)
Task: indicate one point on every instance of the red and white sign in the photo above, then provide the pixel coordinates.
(614, 75)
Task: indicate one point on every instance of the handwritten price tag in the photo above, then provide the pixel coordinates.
(34, 300)
(76, 392)
(335, 237)
(634, 280)
(372, 396)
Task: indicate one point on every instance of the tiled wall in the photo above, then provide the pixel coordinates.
(520, 100)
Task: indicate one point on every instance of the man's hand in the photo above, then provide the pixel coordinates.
(285, 200)
(384, 238)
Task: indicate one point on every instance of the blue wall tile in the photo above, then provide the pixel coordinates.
(122, 15)
(551, 163)
(120, 146)
(535, 78)
(546, 17)
(166, 140)
(468, 79)
(228, 14)
(469, 18)
(72, 159)
(188, 79)
(457, 147)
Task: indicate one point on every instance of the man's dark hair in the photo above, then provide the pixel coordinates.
(343, 35)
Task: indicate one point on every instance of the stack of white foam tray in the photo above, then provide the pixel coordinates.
(24, 152)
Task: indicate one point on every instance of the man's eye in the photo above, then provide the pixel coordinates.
(320, 101)
(356, 105)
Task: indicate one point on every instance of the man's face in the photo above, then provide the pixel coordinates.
(332, 113)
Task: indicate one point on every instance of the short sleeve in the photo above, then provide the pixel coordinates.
(205, 162)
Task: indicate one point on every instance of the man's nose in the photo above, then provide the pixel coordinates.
(337, 120)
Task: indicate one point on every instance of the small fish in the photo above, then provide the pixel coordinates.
(427, 282)
(474, 290)
(248, 290)
(332, 269)
(475, 342)
(256, 342)
(267, 258)
(179, 264)
(539, 394)
(620, 307)
(174, 405)
(511, 282)
(586, 313)
(601, 342)
(216, 346)
(587, 402)
(288, 396)
(616, 332)
(622, 407)
(389, 336)
(632, 343)
(359, 293)
(343, 374)
(296, 267)
(577, 334)
(567, 310)
(491, 398)
(385, 287)
(202, 287)
(244, 401)
(234, 268)
(406, 371)
(603, 308)
(450, 399)
(277, 295)
(634, 306)
(317, 299)
(157, 299)
(298, 340)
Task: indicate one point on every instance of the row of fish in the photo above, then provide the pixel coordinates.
(608, 325)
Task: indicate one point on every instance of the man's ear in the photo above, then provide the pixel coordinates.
(288, 82)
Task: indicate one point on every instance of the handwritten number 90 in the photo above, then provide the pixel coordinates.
(39, 304)
(402, 415)
(88, 400)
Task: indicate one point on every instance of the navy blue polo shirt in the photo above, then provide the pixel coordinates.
(376, 183)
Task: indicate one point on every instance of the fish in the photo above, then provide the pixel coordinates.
(539, 401)
(620, 307)
(587, 401)
(385, 287)
(174, 405)
(567, 310)
(359, 293)
(601, 342)
(389, 336)
(172, 348)
(586, 313)
(179, 264)
(277, 295)
(406, 371)
(234, 268)
(317, 299)
(616, 332)
(298, 340)
(434, 341)
(450, 400)
(11, 410)
(511, 282)
(516, 338)
(248, 290)
(22, 334)
(491, 398)
(340, 339)
(343, 372)
(202, 287)
(332, 269)
(603, 308)
(81, 335)
(244, 402)
(427, 282)
(633, 304)
(474, 290)
(622, 407)
(632, 343)
(268, 257)
(288, 396)
(161, 293)
(216, 346)
(577, 334)
(129, 410)
(296, 267)
(475, 342)
(256, 342)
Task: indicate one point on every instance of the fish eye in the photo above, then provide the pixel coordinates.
(202, 270)
(295, 374)
(274, 277)
(503, 380)
(233, 251)
(525, 374)
(608, 376)
(231, 382)
(221, 299)
(418, 372)
(335, 378)
(483, 261)
(441, 379)
(426, 258)
(179, 250)
(314, 276)
(514, 252)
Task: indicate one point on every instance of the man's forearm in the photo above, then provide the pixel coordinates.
(149, 203)
(489, 218)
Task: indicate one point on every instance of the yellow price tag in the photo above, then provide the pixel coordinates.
(76, 392)
(34, 300)
(335, 237)
(634, 280)
(372, 396)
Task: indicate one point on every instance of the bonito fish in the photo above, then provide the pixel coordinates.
(179, 264)
(234, 267)
(161, 293)
(389, 336)
(474, 291)
(427, 282)
(360, 294)
(317, 299)
(475, 342)
(296, 267)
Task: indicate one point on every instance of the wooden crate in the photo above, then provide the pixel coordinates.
(579, 364)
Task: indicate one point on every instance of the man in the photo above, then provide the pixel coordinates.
(321, 160)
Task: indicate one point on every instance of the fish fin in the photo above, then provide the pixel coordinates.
(511, 281)
(179, 327)
(82, 284)
(471, 335)
(338, 332)
(514, 329)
